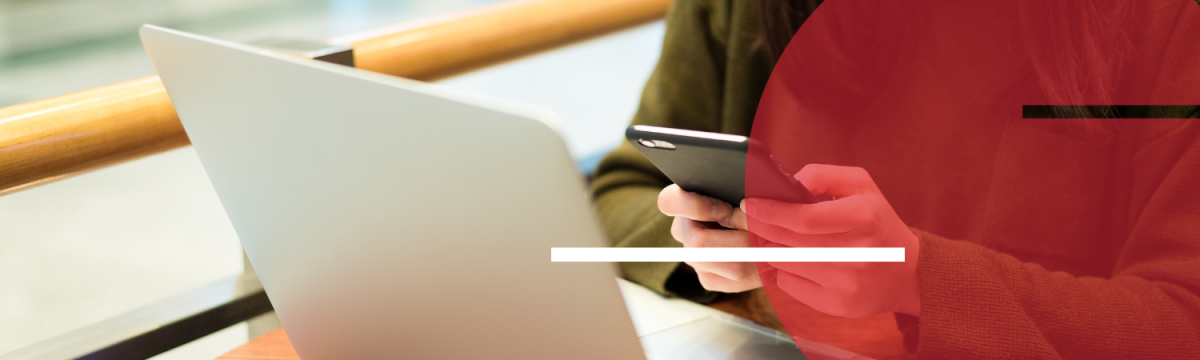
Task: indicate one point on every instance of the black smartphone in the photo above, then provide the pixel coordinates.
(716, 164)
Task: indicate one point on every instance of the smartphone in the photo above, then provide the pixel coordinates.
(715, 164)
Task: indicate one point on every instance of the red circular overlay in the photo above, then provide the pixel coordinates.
(927, 97)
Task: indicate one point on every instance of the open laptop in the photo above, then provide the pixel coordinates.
(389, 218)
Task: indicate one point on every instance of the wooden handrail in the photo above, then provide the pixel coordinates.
(47, 140)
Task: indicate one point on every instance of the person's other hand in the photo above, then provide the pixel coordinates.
(702, 221)
(859, 216)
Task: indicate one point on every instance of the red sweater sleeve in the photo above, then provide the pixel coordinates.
(977, 303)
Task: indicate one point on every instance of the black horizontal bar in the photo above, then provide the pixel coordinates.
(158, 327)
(1109, 111)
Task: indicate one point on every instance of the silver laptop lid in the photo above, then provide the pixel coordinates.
(389, 218)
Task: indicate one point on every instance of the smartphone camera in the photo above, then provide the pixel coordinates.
(657, 144)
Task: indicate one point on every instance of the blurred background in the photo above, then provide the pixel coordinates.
(81, 250)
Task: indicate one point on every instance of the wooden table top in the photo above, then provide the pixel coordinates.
(875, 337)
(270, 346)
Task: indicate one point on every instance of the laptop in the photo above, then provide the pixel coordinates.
(389, 218)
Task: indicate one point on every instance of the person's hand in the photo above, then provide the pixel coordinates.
(702, 221)
(859, 216)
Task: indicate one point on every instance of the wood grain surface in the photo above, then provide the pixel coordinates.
(51, 139)
(497, 33)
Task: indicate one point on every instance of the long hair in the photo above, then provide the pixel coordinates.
(778, 21)
(1076, 47)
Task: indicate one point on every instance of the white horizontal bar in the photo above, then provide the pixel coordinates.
(773, 254)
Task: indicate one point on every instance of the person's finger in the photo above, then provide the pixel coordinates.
(694, 234)
(782, 237)
(728, 270)
(828, 275)
(836, 181)
(759, 241)
(768, 232)
(682, 227)
(799, 287)
(766, 273)
(810, 293)
(827, 217)
(735, 221)
(714, 282)
(674, 201)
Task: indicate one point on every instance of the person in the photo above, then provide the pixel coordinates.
(1025, 238)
